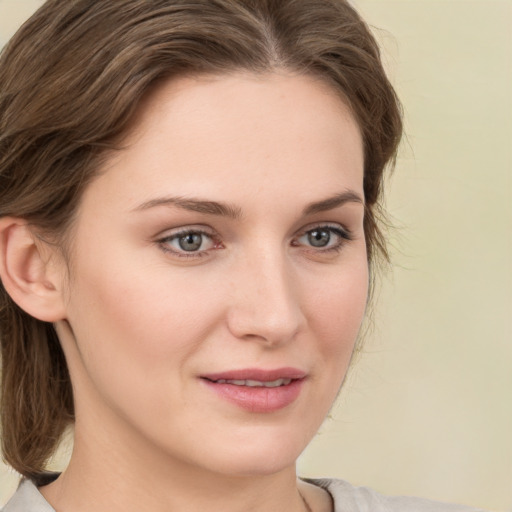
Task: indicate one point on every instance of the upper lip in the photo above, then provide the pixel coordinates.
(257, 374)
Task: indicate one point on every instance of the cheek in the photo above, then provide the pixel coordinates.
(137, 324)
(340, 304)
(145, 303)
(336, 311)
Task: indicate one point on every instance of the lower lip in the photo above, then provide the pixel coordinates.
(258, 399)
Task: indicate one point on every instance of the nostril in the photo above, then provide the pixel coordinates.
(269, 327)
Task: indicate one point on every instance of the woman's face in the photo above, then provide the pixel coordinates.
(219, 275)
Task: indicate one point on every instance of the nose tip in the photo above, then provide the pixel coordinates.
(266, 307)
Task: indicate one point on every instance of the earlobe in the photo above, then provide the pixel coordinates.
(28, 272)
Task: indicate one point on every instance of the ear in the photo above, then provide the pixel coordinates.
(29, 271)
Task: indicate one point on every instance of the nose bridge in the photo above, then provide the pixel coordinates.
(266, 304)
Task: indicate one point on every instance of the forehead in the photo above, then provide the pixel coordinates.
(242, 88)
(217, 132)
(256, 98)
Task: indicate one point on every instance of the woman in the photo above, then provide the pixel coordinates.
(189, 222)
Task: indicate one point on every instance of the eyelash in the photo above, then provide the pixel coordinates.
(343, 234)
(164, 243)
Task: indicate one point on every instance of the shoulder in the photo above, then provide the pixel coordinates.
(27, 499)
(363, 499)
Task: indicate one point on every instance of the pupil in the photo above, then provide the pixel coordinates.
(319, 237)
(191, 242)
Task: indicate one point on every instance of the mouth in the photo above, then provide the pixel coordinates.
(255, 383)
(256, 390)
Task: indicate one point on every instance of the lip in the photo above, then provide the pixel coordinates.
(257, 399)
(257, 374)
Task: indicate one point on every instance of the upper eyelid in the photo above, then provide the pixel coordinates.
(206, 230)
(172, 232)
(326, 225)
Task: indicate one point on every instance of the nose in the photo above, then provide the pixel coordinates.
(266, 304)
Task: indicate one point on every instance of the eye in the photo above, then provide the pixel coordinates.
(324, 238)
(191, 241)
(188, 243)
(319, 237)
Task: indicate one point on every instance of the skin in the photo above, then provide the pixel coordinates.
(142, 321)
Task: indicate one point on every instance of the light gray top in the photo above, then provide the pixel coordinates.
(346, 497)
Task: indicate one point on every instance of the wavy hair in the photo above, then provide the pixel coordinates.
(70, 82)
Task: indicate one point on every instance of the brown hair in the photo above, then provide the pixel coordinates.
(70, 82)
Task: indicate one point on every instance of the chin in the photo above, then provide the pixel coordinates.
(256, 465)
(258, 454)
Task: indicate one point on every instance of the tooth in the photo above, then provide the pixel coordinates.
(237, 382)
(279, 382)
(253, 383)
(274, 383)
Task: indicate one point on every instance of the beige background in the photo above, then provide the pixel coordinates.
(428, 407)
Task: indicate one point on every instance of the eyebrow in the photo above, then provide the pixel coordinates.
(349, 196)
(194, 205)
(234, 212)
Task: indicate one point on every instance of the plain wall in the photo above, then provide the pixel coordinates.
(427, 409)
